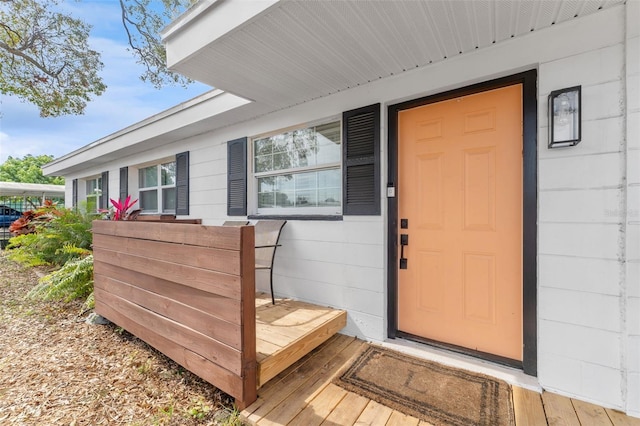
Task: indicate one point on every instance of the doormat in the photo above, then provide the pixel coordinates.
(429, 391)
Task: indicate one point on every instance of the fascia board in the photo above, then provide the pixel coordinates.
(206, 22)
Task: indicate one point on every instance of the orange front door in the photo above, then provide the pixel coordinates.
(460, 190)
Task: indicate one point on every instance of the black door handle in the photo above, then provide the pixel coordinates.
(404, 241)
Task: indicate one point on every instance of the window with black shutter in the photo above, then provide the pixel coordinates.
(297, 172)
(182, 183)
(124, 183)
(361, 161)
(237, 177)
(104, 191)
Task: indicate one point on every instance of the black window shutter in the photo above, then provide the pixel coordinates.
(237, 177)
(74, 193)
(124, 183)
(182, 183)
(104, 194)
(361, 161)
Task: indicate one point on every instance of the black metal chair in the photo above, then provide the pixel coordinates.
(267, 235)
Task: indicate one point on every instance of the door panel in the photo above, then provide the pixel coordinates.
(431, 214)
(431, 269)
(479, 189)
(460, 187)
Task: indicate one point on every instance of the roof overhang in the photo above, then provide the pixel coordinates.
(268, 55)
(213, 109)
(282, 53)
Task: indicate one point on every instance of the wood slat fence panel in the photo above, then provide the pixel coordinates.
(226, 261)
(176, 233)
(186, 289)
(217, 306)
(204, 279)
(195, 319)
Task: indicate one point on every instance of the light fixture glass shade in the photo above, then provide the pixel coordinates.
(565, 117)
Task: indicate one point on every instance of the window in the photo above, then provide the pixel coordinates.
(329, 169)
(94, 192)
(157, 186)
(298, 172)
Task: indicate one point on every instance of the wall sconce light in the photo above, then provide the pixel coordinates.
(565, 117)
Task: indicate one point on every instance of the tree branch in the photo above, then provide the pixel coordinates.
(27, 58)
(125, 19)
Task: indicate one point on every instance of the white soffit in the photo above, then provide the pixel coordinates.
(295, 51)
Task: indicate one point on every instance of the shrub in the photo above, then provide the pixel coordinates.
(53, 234)
(59, 237)
(72, 281)
(121, 210)
(29, 220)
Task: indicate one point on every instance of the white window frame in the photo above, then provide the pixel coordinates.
(292, 211)
(95, 194)
(158, 188)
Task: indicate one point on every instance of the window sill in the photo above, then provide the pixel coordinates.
(295, 217)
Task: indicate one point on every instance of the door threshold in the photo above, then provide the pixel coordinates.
(513, 376)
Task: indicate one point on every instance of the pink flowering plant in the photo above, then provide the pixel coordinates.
(121, 209)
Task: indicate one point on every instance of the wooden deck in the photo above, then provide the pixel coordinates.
(303, 394)
(289, 330)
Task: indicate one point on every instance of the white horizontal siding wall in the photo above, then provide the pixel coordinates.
(632, 216)
(589, 197)
(580, 229)
(337, 264)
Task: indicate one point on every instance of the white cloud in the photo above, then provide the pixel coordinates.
(21, 146)
(126, 101)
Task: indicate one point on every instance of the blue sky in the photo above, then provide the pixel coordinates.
(126, 101)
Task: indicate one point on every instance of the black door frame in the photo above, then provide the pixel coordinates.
(528, 80)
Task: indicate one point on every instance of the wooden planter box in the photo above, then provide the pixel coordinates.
(186, 289)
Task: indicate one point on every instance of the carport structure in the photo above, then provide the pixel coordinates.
(31, 194)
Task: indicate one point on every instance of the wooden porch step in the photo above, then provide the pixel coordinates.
(289, 330)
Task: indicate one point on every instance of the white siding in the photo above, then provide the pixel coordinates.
(581, 209)
(633, 208)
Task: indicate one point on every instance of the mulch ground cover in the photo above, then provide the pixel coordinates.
(57, 370)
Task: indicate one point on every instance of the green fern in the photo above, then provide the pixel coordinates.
(90, 302)
(72, 281)
(20, 249)
(52, 238)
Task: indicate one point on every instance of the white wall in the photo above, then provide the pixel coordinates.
(588, 284)
(589, 204)
(581, 238)
(632, 217)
